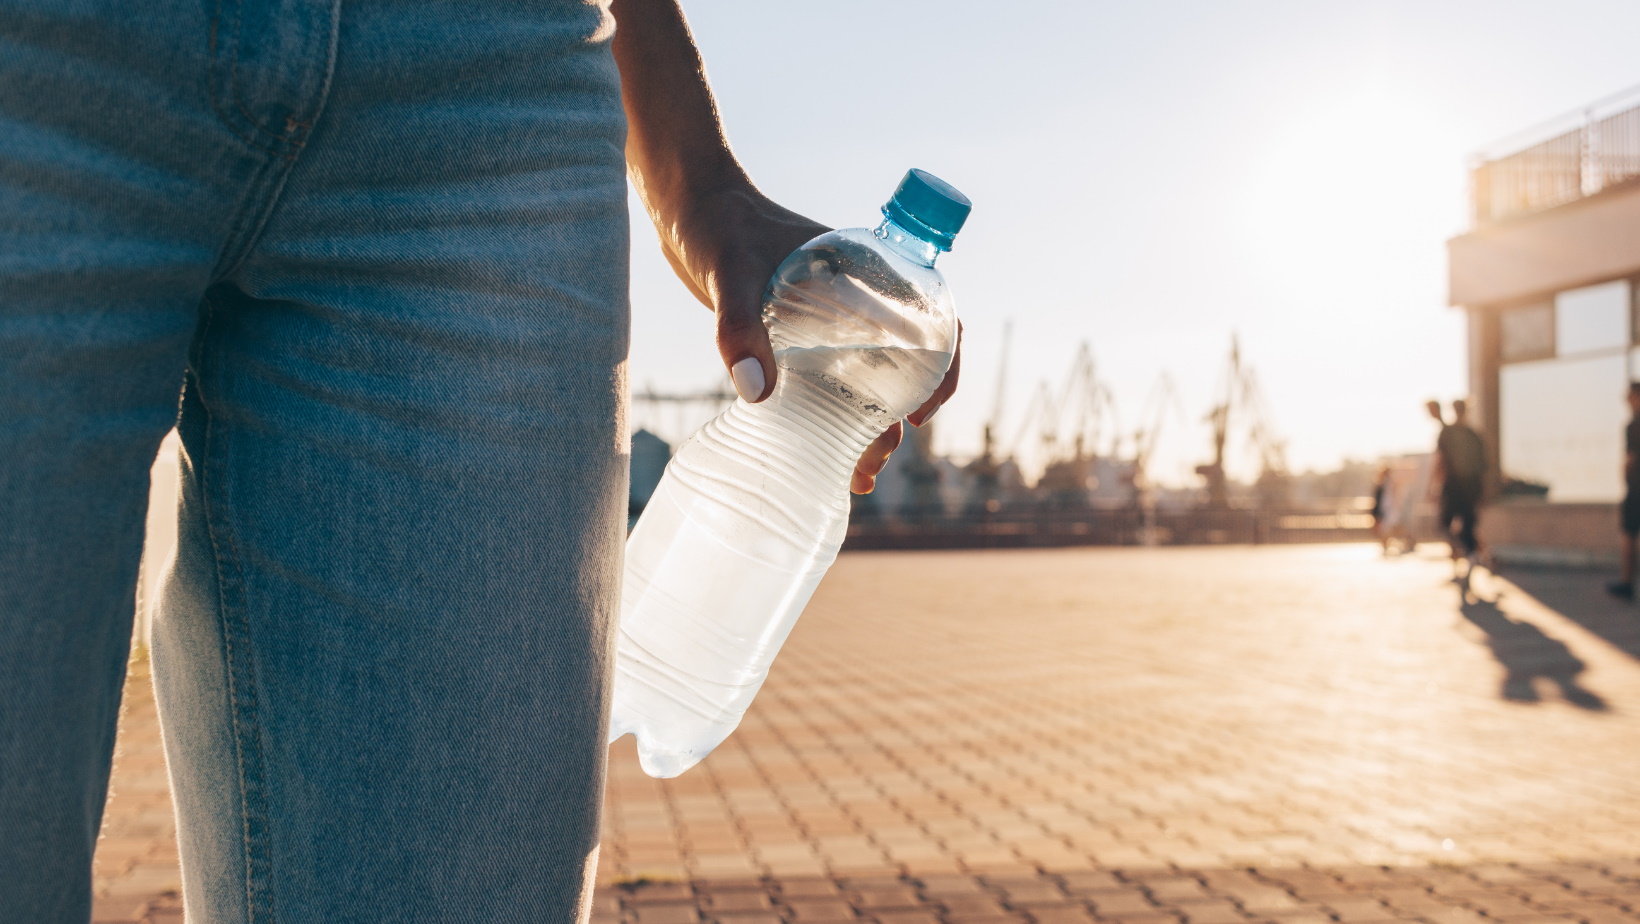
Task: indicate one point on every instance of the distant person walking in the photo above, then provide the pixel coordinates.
(1460, 464)
(1629, 520)
(1380, 510)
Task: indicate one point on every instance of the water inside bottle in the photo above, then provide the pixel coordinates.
(753, 509)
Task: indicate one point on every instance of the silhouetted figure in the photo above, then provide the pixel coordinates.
(1460, 463)
(1380, 487)
(1629, 518)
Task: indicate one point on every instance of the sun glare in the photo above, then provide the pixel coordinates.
(1351, 187)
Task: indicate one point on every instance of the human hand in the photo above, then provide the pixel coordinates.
(725, 248)
(876, 455)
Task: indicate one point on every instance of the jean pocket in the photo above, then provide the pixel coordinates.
(271, 62)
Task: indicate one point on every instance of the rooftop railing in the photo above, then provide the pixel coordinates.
(1565, 159)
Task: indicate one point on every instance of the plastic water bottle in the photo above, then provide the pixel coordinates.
(753, 508)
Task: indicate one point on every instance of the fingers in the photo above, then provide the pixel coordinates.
(724, 245)
(874, 458)
(942, 394)
(876, 455)
(743, 342)
(687, 278)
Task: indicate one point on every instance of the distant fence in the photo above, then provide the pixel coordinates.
(1578, 155)
(1120, 527)
(1109, 527)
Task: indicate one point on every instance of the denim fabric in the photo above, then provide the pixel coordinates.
(378, 248)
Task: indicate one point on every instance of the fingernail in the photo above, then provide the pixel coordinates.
(928, 416)
(748, 377)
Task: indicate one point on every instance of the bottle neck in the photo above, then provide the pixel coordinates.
(906, 244)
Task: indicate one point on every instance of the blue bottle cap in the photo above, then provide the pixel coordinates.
(928, 207)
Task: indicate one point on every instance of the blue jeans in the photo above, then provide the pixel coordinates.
(375, 251)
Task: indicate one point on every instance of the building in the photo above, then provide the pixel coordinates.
(1548, 275)
(650, 454)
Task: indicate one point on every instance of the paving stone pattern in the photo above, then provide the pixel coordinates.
(136, 869)
(1298, 735)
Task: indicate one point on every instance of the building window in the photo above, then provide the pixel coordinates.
(1592, 319)
(1528, 332)
(1561, 417)
(1561, 425)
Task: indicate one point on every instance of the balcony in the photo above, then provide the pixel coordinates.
(1572, 157)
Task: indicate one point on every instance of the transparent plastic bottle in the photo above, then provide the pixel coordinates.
(752, 509)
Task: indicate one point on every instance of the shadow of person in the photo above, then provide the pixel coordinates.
(1526, 654)
(1582, 598)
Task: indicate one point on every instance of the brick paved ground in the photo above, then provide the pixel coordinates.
(1297, 735)
(137, 855)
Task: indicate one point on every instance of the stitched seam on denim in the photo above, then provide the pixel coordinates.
(241, 689)
(215, 76)
(233, 244)
(294, 128)
(271, 186)
(279, 174)
(228, 117)
(233, 78)
(267, 185)
(239, 104)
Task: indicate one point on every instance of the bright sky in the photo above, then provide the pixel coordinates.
(1151, 177)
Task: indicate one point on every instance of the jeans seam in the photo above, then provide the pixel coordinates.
(277, 145)
(253, 214)
(240, 673)
(233, 242)
(265, 185)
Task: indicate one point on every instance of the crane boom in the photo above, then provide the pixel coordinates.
(993, 424)
(1241, 400)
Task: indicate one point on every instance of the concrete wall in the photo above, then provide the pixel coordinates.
(1537, 533)
(1588, 241)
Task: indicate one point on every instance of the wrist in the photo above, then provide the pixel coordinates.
(673, 194)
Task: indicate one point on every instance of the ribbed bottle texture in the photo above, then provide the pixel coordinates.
(753, 508)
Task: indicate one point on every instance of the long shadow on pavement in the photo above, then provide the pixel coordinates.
(1581, 597)
(1526, 654)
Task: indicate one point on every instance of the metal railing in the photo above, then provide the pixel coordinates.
(1565, 159)
(1124, 526)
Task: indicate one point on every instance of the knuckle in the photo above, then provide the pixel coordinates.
(738, 322)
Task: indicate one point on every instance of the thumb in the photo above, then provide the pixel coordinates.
(743, 342)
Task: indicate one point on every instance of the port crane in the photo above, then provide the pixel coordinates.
(1241, 399)
(987, 468)
(1070, 427)
(1163, 398)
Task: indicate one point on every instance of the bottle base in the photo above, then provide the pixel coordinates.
(663, 759)
(660, 763)
(671, 737)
